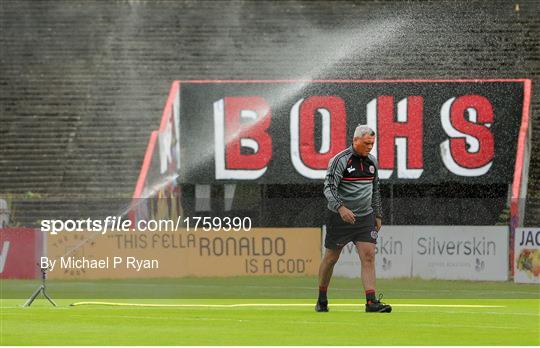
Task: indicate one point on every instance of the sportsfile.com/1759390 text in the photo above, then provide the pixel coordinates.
(119, 224)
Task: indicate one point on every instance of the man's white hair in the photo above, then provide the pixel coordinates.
(363, 129)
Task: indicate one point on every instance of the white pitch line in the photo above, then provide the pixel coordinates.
(442, 305)
(269, 305)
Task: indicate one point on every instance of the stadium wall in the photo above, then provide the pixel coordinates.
(429, 252)
(156, 193)
(186, 253)
(201, 148)
(81, 80)
(527, 255)
(20, 250)
(435, 252)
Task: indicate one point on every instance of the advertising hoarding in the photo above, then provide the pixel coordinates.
(287, 131)
(461, 252)
(393, 254)
(20, 249)
(435, 252)
(527, 255)
(181, 253)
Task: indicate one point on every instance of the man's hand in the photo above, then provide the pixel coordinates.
(346, 214)
(378, 223)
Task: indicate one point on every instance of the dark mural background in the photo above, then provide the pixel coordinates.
(197, 125)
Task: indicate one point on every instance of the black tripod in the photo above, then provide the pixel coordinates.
(41, 289)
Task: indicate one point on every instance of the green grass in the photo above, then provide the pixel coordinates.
(516, 321)
(265, 287)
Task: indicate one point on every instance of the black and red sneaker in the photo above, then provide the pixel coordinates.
(377, 306)
(321, 306)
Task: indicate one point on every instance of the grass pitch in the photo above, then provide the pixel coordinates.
(257, 319)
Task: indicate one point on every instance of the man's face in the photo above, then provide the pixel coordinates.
(364, 144)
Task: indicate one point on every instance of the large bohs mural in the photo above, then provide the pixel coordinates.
(287, 131)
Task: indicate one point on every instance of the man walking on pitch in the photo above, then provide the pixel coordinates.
(354, 200)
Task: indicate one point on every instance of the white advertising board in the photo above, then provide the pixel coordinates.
(527, 255)
(393, 258)
(434, 252)
(461, 252)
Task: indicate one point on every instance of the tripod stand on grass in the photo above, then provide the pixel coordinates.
(41, 289)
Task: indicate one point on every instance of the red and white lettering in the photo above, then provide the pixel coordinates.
(406, 134)
(306, 158)
(471, 147)
(242, 122)
(165, 138)
(169, 145)
(4, 255)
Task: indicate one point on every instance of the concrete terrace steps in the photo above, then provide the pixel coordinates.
(113, 182)
(41, 138)
(38, 159)
(113, 146)
(86, 159)
(48, 173)
(83, 83)
(532, 212)
(69, 190)
(532, 216)
(31, 212)
(36, 127)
